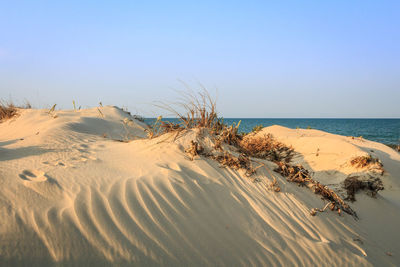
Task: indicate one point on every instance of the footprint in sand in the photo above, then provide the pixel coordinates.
(55, 163)
(33, 176)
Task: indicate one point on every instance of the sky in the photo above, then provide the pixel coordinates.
(272, 59)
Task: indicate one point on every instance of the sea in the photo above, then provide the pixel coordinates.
(386, 131)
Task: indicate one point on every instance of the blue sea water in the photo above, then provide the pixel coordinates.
(385, 131)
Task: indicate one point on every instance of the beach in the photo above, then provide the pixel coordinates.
(89, 187)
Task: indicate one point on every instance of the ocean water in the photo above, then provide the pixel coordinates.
(386, 131)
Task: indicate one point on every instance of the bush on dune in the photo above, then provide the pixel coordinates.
(239, 151)
(7, 111)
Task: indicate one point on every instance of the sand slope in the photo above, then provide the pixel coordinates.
(70, 195)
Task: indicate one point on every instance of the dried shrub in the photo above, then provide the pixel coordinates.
(365, 161)
(302, 177)
(229, 135)
(218, 126)
(331, 206)
(7, 111)
(194, 149)
(266, 147)
(372, 164)
(218, 144)
(201, 113)
(274, 185)
(167, 127)
(295, 174)
(236, 163)
(353, 184)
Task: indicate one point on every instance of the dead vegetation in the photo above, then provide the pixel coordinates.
(154, 129)
(194, 150)
(167, 127)
(238, 151)
(274, 185)
(266, 147)
(302, 177)
(241, 162)
(368, 162)
(229, 134)
(364, 161)
(9, 110)
(353, 184)
(198, 110)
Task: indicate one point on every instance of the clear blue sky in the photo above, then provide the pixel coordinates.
(266, 58)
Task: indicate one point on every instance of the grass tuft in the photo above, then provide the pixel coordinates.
(199, 110)
(7, 111)
(364, 161)
(369, 162)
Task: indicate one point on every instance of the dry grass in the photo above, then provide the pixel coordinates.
(370, 163)
(302, 177)
(194, 149)
(167, 127)
(274, 185)
(154, 129)
(236, 163)
(218, 144)
(266, 147)
(229, 134)
(200, 112)
(364, 161)
(7, 111)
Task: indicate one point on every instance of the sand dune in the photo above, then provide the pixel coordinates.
(72, 195)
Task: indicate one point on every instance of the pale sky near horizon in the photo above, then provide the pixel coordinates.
(264, 58)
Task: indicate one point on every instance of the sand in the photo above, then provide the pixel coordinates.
(72, 194)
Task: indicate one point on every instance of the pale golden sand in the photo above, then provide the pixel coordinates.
(71, 195)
